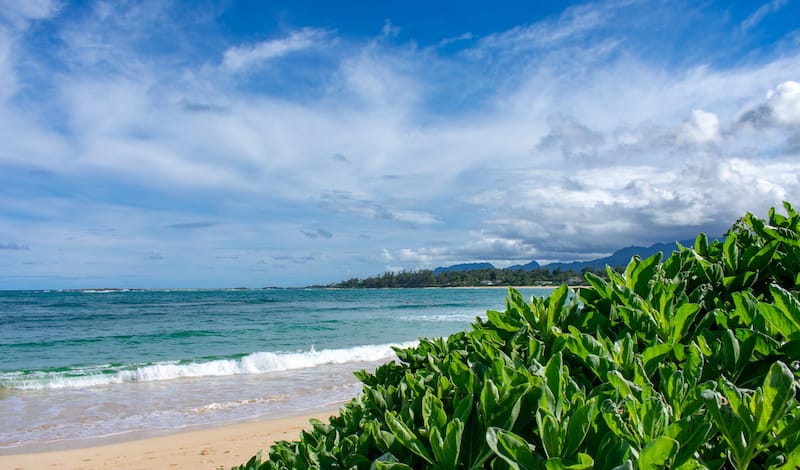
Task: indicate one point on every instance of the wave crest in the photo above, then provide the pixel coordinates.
(254, 363)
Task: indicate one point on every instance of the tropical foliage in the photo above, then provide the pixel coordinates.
(688, 363)
(473, 277)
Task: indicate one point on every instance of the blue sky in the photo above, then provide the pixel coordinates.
(253, 143)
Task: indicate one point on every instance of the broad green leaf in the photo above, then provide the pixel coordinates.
(760, 259)
(552, 374)
(555, 305)
(452, 442)
(437, 446)
(683, 320)
(657, 453)
(388, 462)
(433, 413)
(384, 439)
(693, 367)
(463, 409)
(511, 448)
(701, 244)
(580, 421)
(504, 322)
(728, 424)
(729, 346)
(653, 417)
(778, 393)
(784, 315)
(584, 462)
(791, 430)
(690, 433)
(598, 284)
(623, 386)
(653, 355)
(731, 251)
(490, 396)
(550, 435)
(615, 422)
(640, 272)
(406, 436)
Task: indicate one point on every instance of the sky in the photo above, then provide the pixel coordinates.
(287, 143)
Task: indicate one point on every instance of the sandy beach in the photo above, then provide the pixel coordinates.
(135, 366)
(223, 446)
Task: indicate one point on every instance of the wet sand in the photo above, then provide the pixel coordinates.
(212, 448)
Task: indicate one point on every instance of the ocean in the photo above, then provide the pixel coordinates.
(111, 364)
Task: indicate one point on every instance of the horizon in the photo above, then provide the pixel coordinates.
(330, 285)
(148, 144)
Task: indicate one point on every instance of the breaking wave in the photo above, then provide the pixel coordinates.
(255, 363)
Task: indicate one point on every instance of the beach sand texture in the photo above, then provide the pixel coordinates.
(223, 446)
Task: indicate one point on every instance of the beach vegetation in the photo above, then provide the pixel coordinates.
(470, 278)
(688, 362)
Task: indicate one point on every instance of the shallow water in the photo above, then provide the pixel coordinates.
(82, 365)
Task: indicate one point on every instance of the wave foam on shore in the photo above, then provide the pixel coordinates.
(254, 363)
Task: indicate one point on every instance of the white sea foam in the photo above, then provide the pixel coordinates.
(255, 363)
(454, 317)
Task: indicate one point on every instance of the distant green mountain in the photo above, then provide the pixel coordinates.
(532, 266)
(620, 257)
(463, 267)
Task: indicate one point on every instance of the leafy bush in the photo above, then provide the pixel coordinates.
(687, 363)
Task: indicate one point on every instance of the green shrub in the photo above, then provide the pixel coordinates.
(687, 363)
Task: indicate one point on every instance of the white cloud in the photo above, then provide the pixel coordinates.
(568, 146)
(701, 128)
(762, 11)
(389, 30)
(8, 82)
(784, 102)
(17, 16)
(780, 109)
(241, 57)
(20, 12)
(572, 23)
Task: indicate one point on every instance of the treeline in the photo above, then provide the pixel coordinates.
(472, 278)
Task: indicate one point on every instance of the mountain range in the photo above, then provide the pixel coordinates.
(620, 257)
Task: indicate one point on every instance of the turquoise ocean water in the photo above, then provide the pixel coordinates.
(95, 364)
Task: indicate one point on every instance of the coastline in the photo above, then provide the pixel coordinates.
(211, 448)
(133, 412)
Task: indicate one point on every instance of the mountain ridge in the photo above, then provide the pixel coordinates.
(617, 258)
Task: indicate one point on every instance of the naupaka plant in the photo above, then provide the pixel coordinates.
(688, 362)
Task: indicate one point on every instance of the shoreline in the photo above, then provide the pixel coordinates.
(220, 446)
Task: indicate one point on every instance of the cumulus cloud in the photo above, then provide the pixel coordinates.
(702, 128)
(572, 139)
(557, 139)
(781, 108)
(784, 103)
(244, 56)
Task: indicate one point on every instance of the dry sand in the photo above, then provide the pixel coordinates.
(224, 446)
